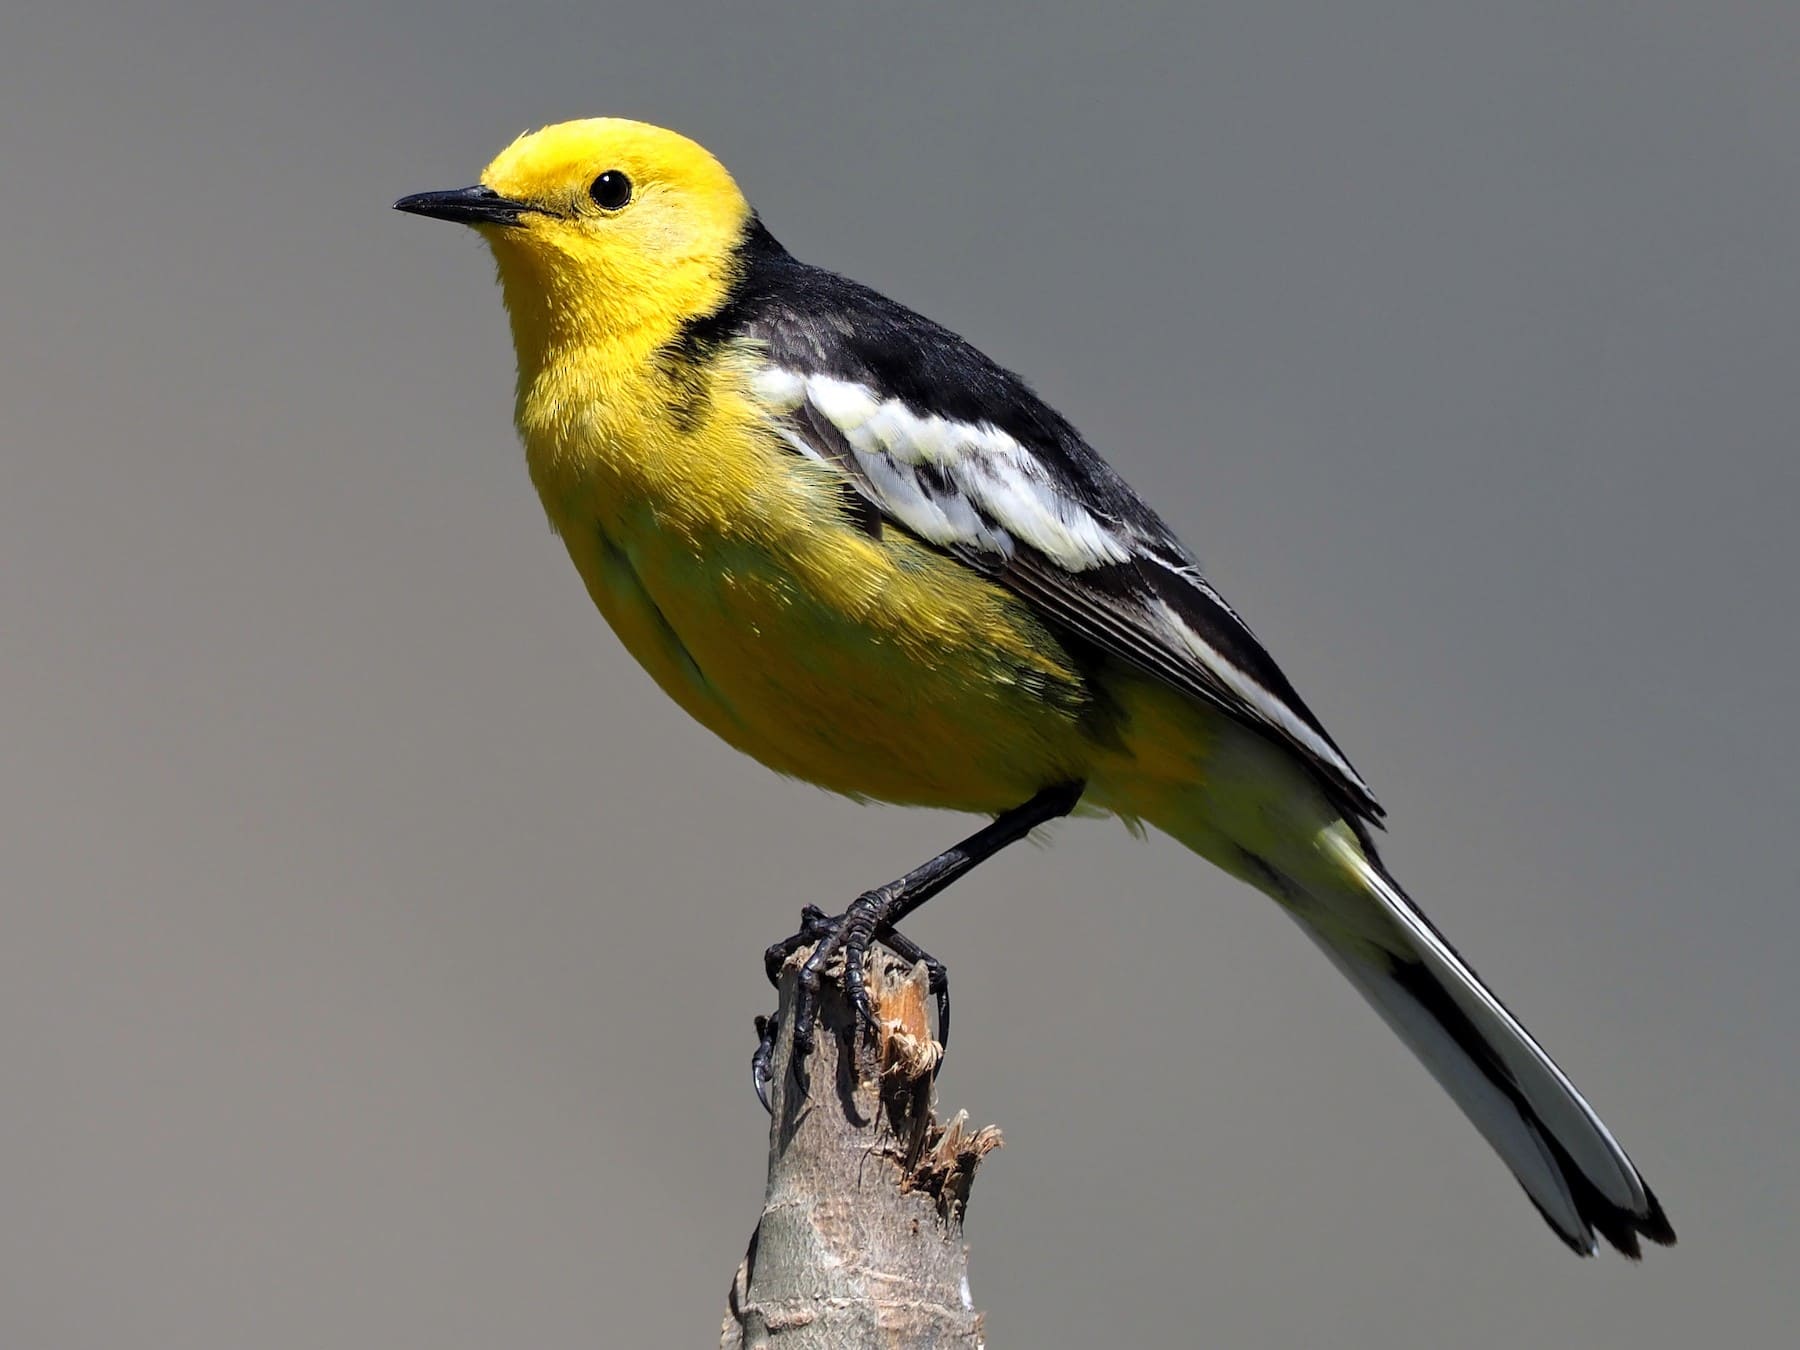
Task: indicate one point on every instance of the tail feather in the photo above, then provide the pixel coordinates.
(1566, 1159)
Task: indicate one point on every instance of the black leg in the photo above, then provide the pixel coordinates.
(872, 917)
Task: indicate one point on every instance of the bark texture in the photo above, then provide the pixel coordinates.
(860, 1241)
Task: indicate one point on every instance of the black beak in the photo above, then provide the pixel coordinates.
(466, 206)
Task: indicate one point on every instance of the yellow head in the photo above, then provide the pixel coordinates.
(601, 228)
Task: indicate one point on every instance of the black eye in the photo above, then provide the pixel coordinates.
(611, 190)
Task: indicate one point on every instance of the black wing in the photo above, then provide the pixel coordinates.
(961, 452)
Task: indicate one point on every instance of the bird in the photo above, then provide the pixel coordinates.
(869, 556)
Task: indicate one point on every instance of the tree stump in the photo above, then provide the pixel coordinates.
(860, 1242)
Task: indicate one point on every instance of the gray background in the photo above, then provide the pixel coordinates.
(379, 946)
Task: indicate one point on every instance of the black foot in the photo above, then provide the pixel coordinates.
(852, 933)
(871, 918)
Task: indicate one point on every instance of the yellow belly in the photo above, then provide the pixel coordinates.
(875, 668)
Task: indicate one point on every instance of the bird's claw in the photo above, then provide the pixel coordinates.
(766, 1030)
(850, 934)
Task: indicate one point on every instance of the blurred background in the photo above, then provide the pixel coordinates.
(380, 947)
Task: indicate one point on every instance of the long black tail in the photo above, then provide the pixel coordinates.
(1562, 1154)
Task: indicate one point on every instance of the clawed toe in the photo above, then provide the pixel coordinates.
(851, 935)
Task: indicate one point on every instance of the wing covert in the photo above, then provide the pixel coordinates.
(1118, 578)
